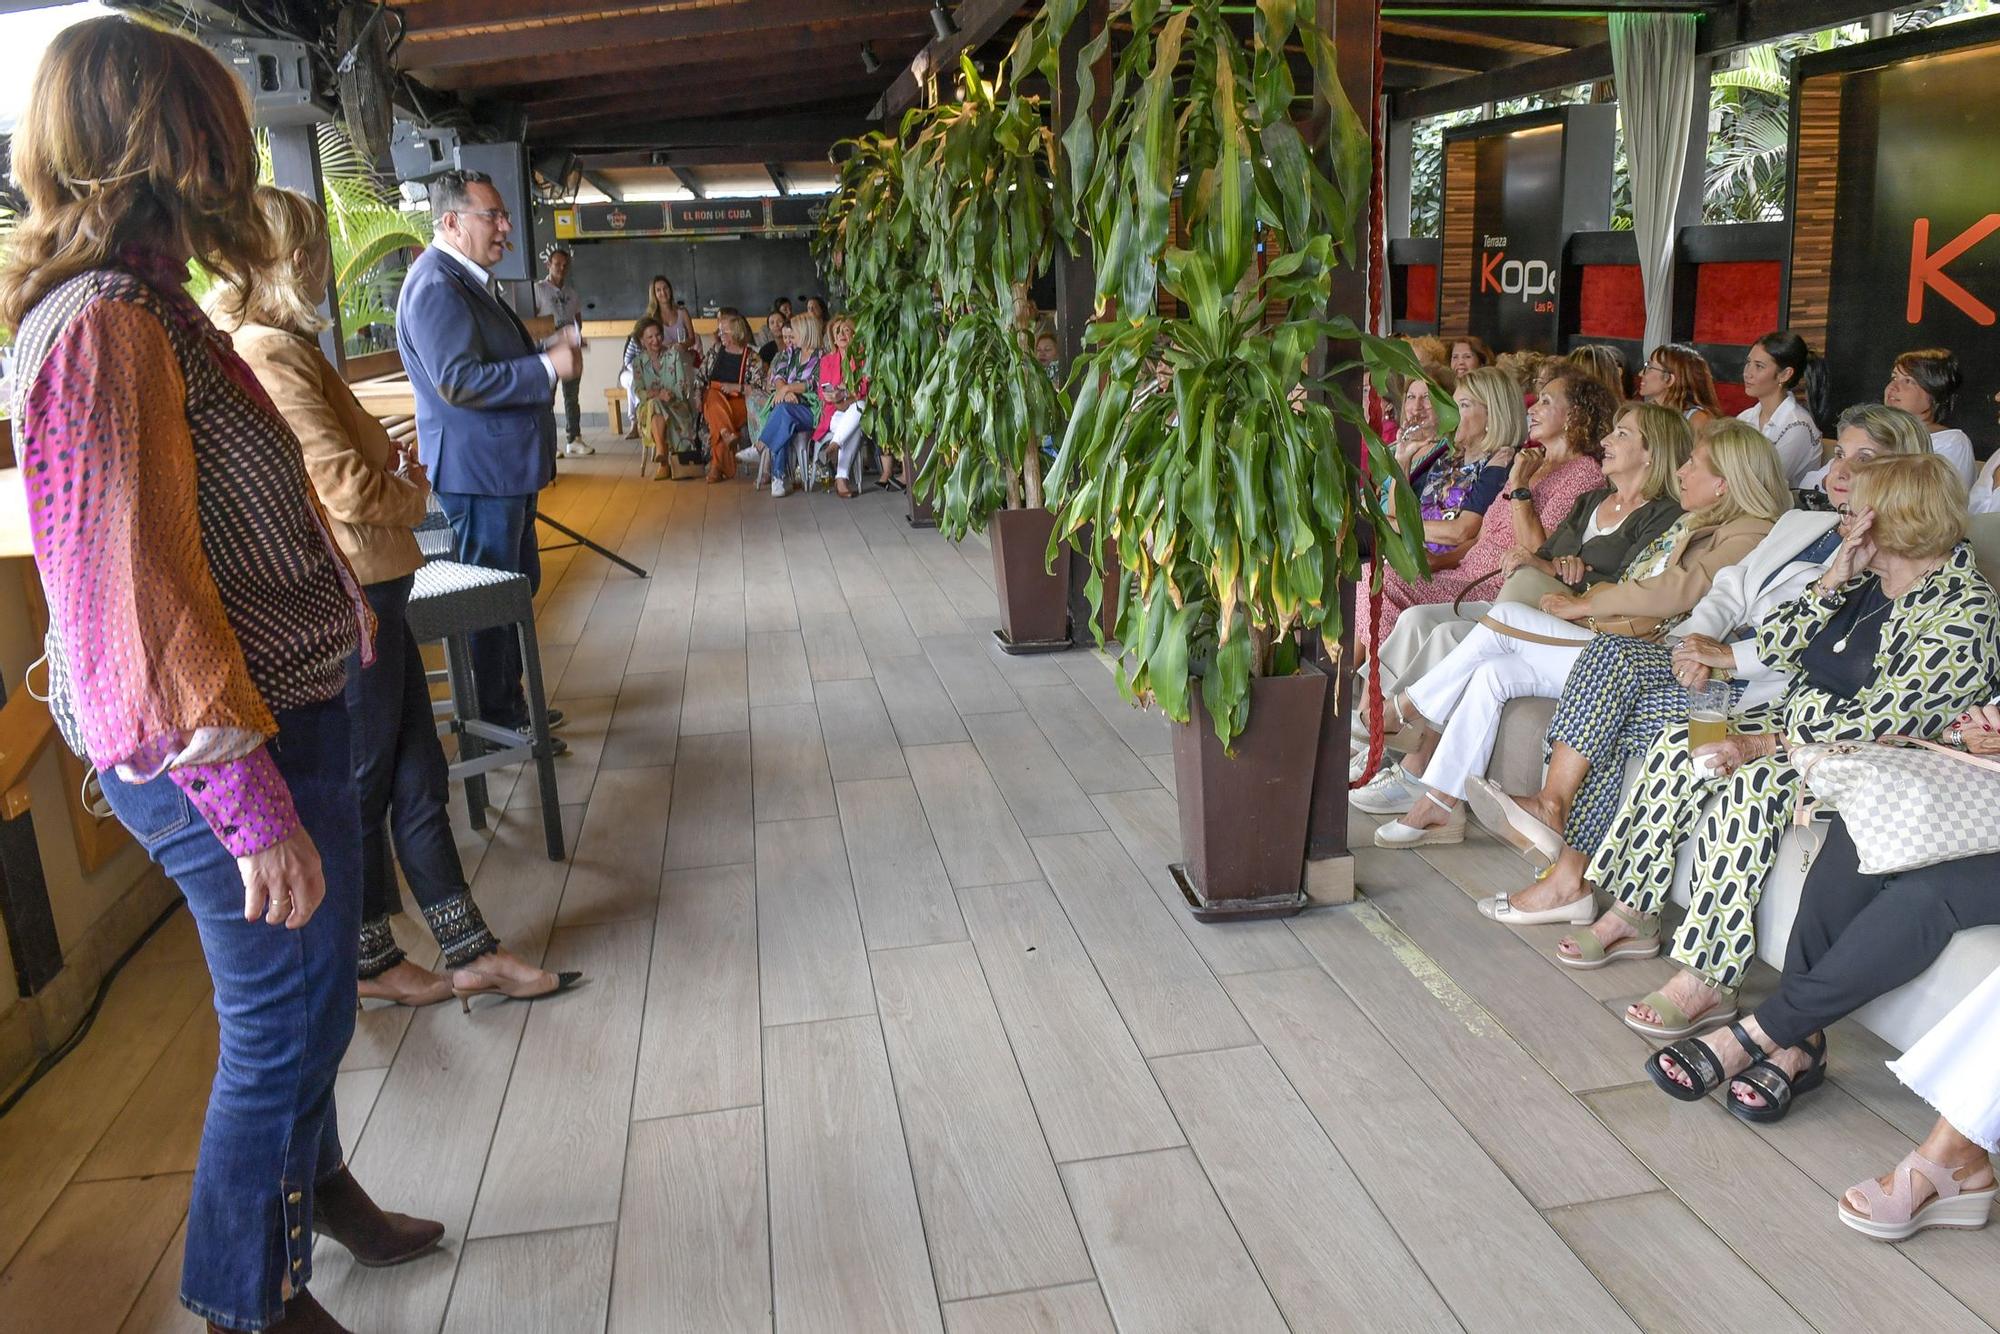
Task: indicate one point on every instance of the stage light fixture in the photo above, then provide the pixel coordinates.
(942, 23)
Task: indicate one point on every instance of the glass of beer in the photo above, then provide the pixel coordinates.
(1708, 714)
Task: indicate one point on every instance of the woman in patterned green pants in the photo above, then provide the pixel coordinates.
(1900, 635)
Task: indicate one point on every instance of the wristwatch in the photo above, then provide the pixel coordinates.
(1520, 493)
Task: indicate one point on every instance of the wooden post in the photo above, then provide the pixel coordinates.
(1076, 276)
(295, 165)
(1354, 26)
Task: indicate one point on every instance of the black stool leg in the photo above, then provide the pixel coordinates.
(465, 703)
(538, 716)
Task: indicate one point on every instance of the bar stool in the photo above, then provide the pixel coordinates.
(448, 602)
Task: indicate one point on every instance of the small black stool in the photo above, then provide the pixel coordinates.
(448, 602)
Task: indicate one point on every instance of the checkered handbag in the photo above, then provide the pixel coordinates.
(1906, 802)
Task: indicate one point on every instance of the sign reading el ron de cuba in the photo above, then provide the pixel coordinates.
(1896, 210)
(694, 217)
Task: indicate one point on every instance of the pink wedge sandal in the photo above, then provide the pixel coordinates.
(1889, 1214)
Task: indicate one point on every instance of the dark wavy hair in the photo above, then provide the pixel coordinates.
(133, 136)
(1936, 372)
(1592, 410)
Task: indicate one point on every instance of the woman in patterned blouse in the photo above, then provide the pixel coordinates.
(1899, 636)
(200, 622)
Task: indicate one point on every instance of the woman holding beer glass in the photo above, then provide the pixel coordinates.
(1896, 636)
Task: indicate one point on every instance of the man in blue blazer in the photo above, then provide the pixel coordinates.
(486, 426)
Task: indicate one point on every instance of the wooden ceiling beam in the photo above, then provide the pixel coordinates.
(705, 75)
(752, 139)
(749, 99)
(978, 21)
(1439, 54)
(731, 22)
(808, 150)
(779, 46)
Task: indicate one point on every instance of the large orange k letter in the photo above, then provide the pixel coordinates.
(1489, 276)
(1927, 269)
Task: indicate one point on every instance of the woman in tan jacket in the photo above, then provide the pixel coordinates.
(374, 495)
(1732, 490)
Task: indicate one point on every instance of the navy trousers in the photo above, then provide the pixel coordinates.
(498, 533)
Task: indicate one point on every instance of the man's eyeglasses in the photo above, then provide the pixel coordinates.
(490, 214)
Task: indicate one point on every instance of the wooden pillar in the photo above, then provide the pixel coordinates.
(1354, 26)
(1076, 283)
(295, 165)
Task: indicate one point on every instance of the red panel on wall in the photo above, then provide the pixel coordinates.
(1736, 303)
(1732, 398)
(1613, 302)
(1421, 302)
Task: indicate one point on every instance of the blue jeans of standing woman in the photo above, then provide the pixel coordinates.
(285, 1000)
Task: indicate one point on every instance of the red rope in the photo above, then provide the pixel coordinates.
(1378, 225)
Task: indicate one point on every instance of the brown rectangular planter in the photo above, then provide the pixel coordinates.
(1034, 597)
(1079, 575)
(1243, 819)
(921, 513)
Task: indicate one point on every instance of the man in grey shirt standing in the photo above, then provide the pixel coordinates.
(555, 297)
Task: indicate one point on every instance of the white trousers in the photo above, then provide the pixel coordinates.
(1465, 693)
(845, 431)
(1952, 1067)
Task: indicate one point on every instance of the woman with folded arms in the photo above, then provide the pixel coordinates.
(1623, 691)
(1947, 1181)
(1897, 636)
(1733, 493)
(1780, 368)
(1857, 937)
(400, 771)
(1557, 467)
(201, 620)
(1676, 376)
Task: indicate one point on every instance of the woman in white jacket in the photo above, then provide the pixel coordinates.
(1947, 1181)
(1622, 692)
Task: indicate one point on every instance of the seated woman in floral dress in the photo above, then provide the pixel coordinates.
(663, 387)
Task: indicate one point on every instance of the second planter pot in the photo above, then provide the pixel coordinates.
(1034, 596)
(1244, 818)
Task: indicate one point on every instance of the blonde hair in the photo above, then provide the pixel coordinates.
(808, 333)
(1432, 353)
(1919, 504)
(843, 321)
(1506, 418)
(737, 325)
(1668, 444)
(285, 293)
(1605, 364)
(1756, 485)
(131, 136)
(1525, 366)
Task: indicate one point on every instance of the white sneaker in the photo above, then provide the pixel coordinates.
(576, 449)
(1392, 793)
(778, 488)
(751, 454)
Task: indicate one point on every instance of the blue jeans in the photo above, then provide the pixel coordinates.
(497, 533)
(784, 421)
(402, 783)
(285, 1000)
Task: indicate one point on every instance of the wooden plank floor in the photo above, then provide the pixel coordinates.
(895, 1022)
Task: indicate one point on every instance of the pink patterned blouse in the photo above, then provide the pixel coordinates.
(193, 583)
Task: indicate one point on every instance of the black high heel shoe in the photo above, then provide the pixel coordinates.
(496, 987)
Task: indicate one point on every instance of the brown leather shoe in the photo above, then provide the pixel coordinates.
(303, 1315)
(377, 1238)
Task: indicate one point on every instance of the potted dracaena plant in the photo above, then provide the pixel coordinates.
(980, 175)
(1199, 446)
(871, 245)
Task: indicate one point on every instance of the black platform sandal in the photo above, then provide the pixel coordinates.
(1700, 1063)
(1780, 1090)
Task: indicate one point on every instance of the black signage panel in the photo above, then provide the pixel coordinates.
(795, 211)
(1914, 255)
(1518, 238)
(716, 215)
(616, 219)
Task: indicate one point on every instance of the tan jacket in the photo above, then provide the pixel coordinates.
(1692, 567)
(348, 454)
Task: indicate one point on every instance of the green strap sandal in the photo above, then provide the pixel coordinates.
(1591, 955)
(1674, 1023)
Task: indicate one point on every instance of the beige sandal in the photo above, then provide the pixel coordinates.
(1890, 1216)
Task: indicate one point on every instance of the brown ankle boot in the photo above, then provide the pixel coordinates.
(377, 1238)
(303, 1315)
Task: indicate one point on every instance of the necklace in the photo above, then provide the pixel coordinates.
(1840, 644)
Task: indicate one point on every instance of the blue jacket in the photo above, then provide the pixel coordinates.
(486, 423)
